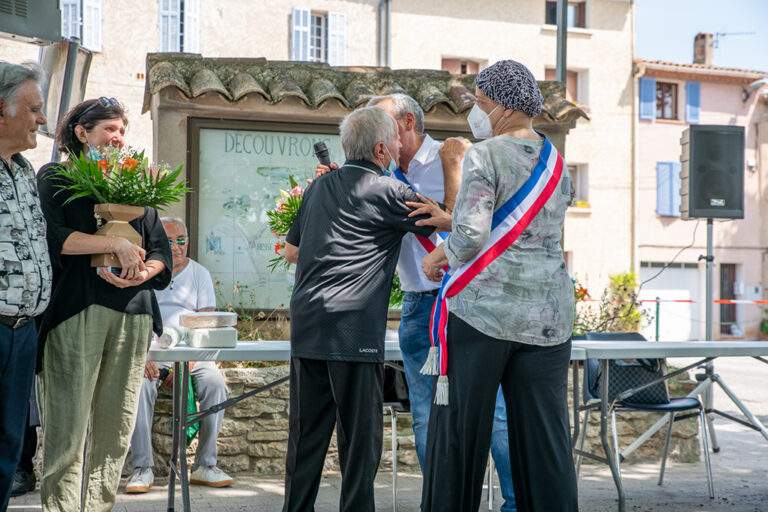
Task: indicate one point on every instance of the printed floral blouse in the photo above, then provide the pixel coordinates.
(526, 294)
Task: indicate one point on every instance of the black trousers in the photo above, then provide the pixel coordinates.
(17, 370)
(535, 387)
(324, 394)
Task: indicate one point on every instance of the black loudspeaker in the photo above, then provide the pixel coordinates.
(712, 172)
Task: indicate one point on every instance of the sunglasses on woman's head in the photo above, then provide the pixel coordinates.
(103, 102)
(181, 242)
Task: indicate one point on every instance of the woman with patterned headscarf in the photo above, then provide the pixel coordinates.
(504, 314)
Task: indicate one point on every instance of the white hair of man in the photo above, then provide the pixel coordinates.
(362, 129)
(175, 220)
(13, 77)
(401, 105)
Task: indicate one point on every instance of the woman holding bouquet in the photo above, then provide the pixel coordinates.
(95, 334)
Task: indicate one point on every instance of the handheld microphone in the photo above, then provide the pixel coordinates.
(321, 152)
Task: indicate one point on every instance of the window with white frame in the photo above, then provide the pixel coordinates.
(580, 176)
(319, 37)
(82, 19)
(179, 26)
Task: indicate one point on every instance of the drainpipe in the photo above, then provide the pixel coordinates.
(561, 71)
(380, 59)
(385, 15)
(635, 250)
(389, 31)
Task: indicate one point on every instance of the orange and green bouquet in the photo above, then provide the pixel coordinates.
(280, 220)
(121, 176)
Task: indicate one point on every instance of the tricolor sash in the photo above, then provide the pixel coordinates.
(511, 219)
(427, 243)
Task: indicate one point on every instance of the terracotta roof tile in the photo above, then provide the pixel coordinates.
(316, 83)
(244, 83)
(283, 85)
(322, 90)
(205, 81)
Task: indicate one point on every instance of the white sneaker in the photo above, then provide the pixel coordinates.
(211, 476)
(142, 480)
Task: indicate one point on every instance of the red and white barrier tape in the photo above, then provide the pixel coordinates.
(689, 301)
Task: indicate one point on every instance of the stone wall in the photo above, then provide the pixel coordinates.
(254, 433)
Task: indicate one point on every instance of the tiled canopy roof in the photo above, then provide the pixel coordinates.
(315, 83)
(701, 71)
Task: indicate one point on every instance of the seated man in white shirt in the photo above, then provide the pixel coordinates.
(191, 290)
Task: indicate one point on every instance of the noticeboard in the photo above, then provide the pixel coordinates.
(237, 170)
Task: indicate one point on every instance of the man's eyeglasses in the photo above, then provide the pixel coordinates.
(103, 102)
(181, 241)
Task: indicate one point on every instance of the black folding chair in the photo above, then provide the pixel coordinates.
(591, 397)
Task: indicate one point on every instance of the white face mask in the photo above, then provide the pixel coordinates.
(480, 122)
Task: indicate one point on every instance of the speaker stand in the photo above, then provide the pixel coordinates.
(709, 376)
(709, 371)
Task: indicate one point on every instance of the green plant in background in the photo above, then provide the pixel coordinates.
(397, 294)
(617, 310)
(764, 322)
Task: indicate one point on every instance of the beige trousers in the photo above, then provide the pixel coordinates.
(90, 383)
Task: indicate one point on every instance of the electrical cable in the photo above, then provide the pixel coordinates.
(665, 267)
(633, 304)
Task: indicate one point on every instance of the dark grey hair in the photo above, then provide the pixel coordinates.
(175, 220)
(13, 77)
(401, 105)
(362, 129)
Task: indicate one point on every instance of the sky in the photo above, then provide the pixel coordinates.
(666, 28)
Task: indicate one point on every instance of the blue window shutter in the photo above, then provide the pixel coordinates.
(647, 98)
(692, 102)
(663, 186)
(668, 189)
(675, 188)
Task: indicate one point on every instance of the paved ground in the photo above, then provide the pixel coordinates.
(740, 473)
